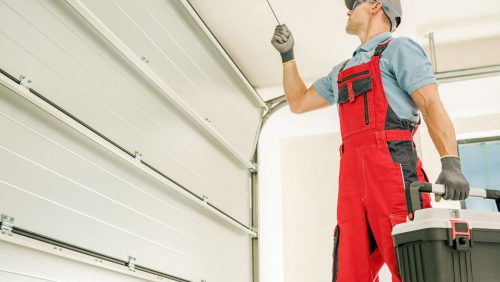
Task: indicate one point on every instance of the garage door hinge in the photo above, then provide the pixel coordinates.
(254, 229)
(131, 263)
(6, 224)
(24, 81)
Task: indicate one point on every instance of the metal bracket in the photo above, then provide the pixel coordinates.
(24, 81)
(432, 50)
(131, 263)
(137, 156)
(6, 224)
(255, 169)
(205, 198)
(255, 230)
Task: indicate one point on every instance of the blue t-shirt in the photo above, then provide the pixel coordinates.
(404, 67)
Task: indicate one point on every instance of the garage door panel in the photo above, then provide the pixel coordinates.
(146, 122)
(94, 203)
(25, 264)
(127, 20)
(55, 145)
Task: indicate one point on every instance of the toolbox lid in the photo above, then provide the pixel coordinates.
(440, 218)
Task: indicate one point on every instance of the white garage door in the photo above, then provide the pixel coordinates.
(134, 76)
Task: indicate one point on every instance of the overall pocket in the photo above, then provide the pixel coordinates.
(356, 107)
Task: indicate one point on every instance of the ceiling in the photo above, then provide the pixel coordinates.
(457, 20)
(245, 27)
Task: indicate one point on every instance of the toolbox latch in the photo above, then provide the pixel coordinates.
(460, 234)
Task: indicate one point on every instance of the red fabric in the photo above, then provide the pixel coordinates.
(371, 184)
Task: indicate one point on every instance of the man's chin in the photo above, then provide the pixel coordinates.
(350, 30)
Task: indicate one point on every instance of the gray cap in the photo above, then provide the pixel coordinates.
(392, 9)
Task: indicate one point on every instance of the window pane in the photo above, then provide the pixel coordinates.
(475, 167)
(493, 156)
(472, 158)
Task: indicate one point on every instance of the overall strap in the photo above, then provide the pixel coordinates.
(378, 51)
(343, 65)
(380, 48)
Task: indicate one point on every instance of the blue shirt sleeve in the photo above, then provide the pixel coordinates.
(324, 86)
(410, 65)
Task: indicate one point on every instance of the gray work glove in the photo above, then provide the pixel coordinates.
(457, 187)
(283, 42)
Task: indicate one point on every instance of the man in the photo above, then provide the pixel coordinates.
(379, 92)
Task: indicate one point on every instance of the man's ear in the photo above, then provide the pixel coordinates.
(376, 7)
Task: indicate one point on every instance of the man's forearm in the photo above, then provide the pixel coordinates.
(443, 135)
(440, 129)
(293, 84)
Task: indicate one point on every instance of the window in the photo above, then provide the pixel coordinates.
(480, 160)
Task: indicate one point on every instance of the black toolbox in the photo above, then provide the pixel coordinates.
(448, 245)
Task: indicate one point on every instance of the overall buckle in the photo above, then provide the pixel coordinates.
(381, 139)
(350, 92)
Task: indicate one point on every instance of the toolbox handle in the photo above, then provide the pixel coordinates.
(414, 189)
(440, 189)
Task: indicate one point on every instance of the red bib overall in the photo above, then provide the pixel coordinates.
(377, 157)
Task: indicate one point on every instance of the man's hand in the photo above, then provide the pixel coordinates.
(457, 187)
(300, 98)
(283, 42)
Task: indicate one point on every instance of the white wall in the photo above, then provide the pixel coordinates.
(310, 204)
(283, 123)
